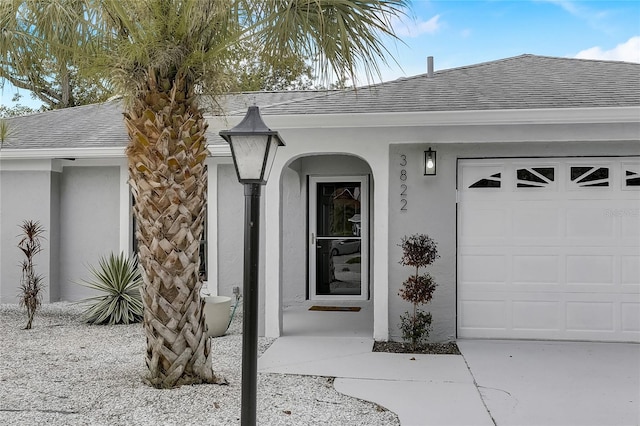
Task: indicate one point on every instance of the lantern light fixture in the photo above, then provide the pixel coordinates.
(253, 147)
(429, 162)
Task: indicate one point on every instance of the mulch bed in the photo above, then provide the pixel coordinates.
(448, 348)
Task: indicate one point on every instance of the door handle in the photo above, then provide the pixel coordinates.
(313, 238)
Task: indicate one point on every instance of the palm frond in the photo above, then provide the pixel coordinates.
(341, 35)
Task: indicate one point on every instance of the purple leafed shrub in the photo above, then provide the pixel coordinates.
(418, 251)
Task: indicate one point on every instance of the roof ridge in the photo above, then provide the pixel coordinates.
(502, 60)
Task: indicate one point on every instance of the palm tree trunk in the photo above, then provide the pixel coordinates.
(166, 154)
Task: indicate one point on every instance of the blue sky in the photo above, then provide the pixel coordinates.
(458, 33)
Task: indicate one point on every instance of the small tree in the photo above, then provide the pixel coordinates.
(419, 250)
(30, 283)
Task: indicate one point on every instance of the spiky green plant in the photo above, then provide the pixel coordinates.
(31, 283)
(118, 277)
(5, 131)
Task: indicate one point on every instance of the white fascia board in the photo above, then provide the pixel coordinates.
(87, 153)
(61, 153)
(220, 150)
(31, 165)
(444, 118)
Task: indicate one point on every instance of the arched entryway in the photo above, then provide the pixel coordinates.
(325, 247)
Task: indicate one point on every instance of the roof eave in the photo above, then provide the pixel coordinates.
(445, 118)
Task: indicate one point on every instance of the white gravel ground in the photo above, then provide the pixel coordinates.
(65, 372)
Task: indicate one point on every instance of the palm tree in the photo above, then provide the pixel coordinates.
(164, 56)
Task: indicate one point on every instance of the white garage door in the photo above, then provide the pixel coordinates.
(549, 248)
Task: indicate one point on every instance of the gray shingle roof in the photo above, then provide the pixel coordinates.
(521, 82)
(97, 125)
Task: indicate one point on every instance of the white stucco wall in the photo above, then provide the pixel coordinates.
(308, 143)
(294, 270)
(230, 213)
(378, 141)
(26, 191)
(89, 224)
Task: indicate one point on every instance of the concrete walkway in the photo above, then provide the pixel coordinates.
(500, 383)
(421, 389)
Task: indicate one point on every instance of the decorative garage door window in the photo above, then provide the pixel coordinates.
(632, 178)
(545, 176)
(492, 181)
(535, 177)
(590, 176)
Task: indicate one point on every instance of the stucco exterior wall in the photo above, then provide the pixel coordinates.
(431, 209)
(294, 226)
(27, 195)
(89, 224)
(230, 242)
(431, 200)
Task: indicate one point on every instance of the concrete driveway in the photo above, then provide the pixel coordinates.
(556, 383)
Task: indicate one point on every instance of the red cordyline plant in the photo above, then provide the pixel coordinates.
(30, 283)
(418, 251)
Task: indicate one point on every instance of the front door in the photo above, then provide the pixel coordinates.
(338, 238)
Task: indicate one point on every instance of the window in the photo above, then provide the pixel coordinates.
(535, 177)
(588, 176)
(632, 178)
(493, 181)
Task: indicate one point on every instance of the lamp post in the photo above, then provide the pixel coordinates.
(253, 147)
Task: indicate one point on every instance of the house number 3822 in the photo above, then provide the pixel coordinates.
(403, 186)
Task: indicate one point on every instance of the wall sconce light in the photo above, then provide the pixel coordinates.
(429, 162)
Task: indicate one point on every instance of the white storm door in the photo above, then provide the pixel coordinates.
(338, 238)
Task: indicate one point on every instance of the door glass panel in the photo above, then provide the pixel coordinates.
(338, 238)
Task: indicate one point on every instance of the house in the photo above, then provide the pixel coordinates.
(534, 203)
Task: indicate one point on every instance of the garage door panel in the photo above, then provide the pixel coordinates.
(535, 222)
(485, 269)
(588, 223)
(537, 315)
(558, 259)
(483, 314)
(589, 316)
(589, 269)
(630, 223)
(485, 222)
(630, 317)
(630, 270)
(535, 269)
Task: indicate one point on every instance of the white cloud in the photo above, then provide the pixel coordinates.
(569, 6)
(594, 17)
(412, 28)
(628, 51)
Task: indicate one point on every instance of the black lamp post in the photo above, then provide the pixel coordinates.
(253, 147)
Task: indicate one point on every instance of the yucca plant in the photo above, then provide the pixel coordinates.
(118, 277)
